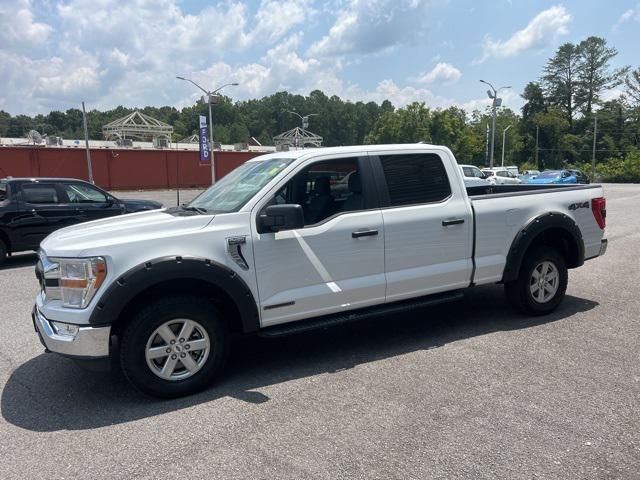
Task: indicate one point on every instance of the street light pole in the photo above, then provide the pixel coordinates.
(210, 96)
(493, 94)
(504, 135)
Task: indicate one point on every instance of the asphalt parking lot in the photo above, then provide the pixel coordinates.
(465, 390)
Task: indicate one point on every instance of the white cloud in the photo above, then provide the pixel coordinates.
(281, 68)
(399, 96)
(369, 26)
(275, 18)
(541, 32)
(441, 73)
(510, 99)
(628, 15)
(18, 30)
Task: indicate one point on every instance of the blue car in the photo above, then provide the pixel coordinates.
(554, 176)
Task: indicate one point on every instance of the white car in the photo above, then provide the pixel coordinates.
(271, 249)
(500, 176)
(473, 176)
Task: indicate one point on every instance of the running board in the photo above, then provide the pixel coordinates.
(300, 326)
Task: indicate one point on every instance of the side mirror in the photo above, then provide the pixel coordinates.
(281, 217)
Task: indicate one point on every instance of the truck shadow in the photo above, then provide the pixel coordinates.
(50, 393)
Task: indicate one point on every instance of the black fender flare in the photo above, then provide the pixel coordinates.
(142, 277)
(525, 236)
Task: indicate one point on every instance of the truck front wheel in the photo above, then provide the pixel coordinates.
(541, 283)
(174, 346)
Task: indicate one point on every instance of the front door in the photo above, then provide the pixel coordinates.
(334, 263)
(427, 223)
(89, 202)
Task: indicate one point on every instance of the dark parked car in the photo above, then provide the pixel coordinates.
(32, 208)
(581, 176)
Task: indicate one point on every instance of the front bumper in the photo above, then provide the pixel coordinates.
(86, 343)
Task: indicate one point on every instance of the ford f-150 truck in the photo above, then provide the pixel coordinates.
(280, 246)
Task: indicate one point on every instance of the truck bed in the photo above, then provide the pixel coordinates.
(501, 211)
(496, 191)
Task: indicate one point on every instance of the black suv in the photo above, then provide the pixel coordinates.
(580, 176)
(32, 208)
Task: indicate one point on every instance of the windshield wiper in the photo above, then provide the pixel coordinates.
(190, 208)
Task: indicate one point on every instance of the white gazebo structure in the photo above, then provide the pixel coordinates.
(139, 126)
(299, 138)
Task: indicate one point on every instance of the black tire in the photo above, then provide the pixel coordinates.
(519, 291)
(3, 252)
(143, 324)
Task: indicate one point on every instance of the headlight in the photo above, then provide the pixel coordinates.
(75, 281)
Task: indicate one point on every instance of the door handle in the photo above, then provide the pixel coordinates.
(453, 221)
(364, 233)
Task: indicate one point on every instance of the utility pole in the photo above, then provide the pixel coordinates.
(504, 134)
(537, 161)
(593, 154)
(493, 94)
(86, 143)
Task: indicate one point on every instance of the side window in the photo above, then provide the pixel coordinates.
(39, 193)
(81, 193)
(468, 172)
(324, 189)
(477, 173)
(415, 178)
(503, 173)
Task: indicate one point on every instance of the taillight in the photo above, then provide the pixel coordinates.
(599, 209)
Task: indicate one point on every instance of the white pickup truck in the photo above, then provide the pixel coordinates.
(280, 246)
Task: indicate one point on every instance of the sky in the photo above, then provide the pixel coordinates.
(55, 54)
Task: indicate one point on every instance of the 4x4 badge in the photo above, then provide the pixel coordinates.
(575, 206)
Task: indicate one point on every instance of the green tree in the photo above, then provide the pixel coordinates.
(632, 84)
(560, 79)
(594, 72)
(405, 125)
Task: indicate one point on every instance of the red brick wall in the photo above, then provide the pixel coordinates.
(119, 169)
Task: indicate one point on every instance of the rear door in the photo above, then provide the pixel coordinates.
(427, 222)
(334, 263)
(41, 212)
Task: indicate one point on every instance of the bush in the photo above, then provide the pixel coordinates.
(621, 170)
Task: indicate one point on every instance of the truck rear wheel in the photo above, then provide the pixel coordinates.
(541, 283)
(174, 346)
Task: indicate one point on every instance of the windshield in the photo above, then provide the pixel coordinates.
(236, 188)
(550, 174)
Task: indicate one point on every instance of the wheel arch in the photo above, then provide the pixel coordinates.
(178, 275)
(554, 229)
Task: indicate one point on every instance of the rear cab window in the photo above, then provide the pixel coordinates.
(415, 178)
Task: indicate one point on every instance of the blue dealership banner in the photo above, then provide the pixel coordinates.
(205, 155)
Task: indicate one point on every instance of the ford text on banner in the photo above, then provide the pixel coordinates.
(205, 154)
